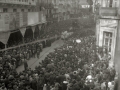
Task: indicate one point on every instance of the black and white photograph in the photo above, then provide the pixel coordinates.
(59, 44)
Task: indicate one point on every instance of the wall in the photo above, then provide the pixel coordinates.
(21, 2)
(108, 26)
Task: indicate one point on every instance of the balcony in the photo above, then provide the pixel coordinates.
(17, 2)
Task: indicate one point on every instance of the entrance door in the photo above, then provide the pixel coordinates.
(107, 42)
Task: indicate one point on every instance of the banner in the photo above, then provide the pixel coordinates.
(4, 37)
(22, 30)
(33, 18)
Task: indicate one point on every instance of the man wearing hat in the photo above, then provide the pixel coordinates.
(25, 65)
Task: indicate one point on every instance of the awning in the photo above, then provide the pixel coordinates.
(4, 36)
(22, 30)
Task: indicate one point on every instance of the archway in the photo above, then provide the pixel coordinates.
(15, 39)
(28, 37)
(2, 45)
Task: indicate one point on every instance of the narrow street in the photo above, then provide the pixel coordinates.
(33, 62)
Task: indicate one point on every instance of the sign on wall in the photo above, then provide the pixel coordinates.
(33, 18)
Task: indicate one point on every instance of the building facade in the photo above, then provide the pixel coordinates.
(107, 28)
(15, 18)
(17, 5)
(60, 9)
(84, 4)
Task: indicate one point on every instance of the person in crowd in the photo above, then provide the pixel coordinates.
(38, 52)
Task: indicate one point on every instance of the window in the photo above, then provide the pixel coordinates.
(107, 40)
(29, 10)
(14, 10)
(111, 2)
(116, 3)
(22, 10)
(5, 10)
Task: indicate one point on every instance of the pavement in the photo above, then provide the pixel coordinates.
(33, 62)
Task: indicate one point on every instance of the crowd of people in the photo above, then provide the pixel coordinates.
(74, 66)
(12, 58)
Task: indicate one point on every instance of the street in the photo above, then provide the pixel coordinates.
(33, 62)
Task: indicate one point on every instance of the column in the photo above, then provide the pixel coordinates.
(33, 36)
(117, 50)
(33, 29)
(5, 46)
(97, 31)
(23, 40)
(117, 53)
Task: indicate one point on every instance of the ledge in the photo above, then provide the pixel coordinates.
(108, 11)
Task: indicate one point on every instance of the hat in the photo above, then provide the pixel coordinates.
(65, 82)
